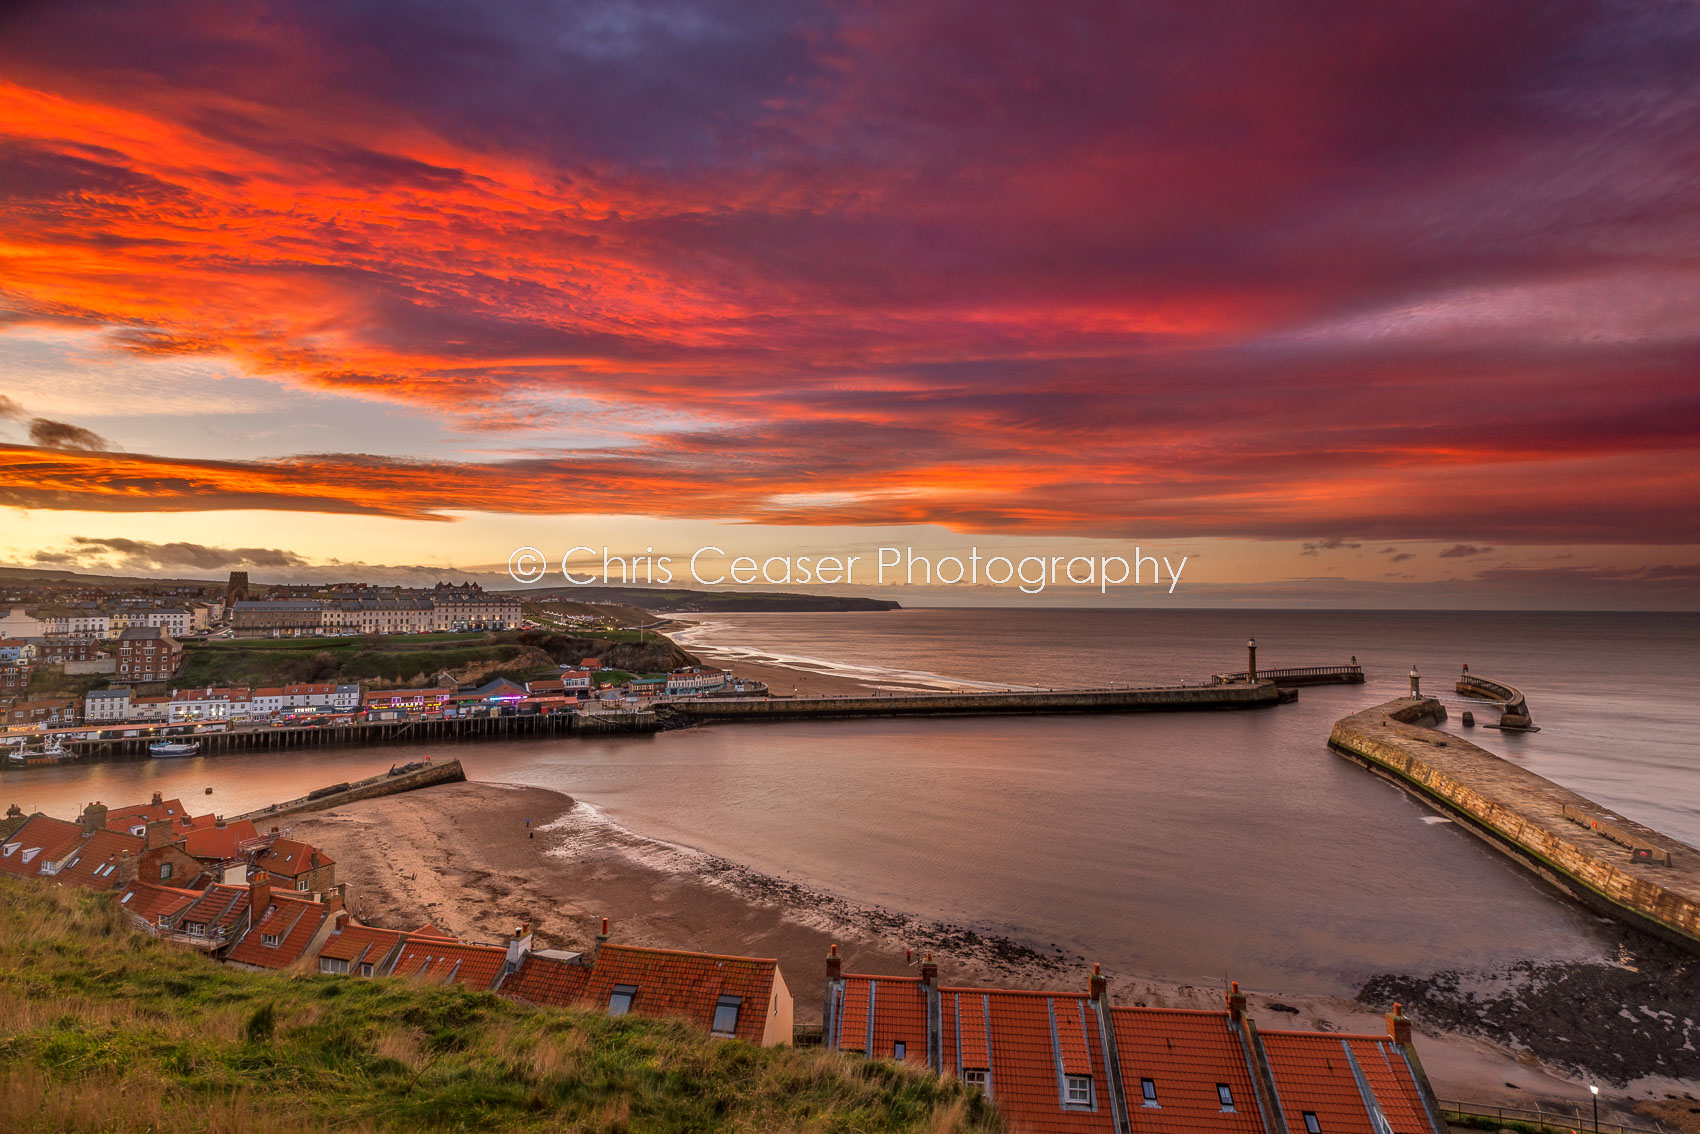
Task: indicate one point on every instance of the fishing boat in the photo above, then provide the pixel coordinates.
(173, 748)
(52, 751)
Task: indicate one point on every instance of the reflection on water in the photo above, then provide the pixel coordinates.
(1188, 845)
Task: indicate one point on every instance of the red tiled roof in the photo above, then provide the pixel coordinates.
(293, 921)
(41, 839)
(1314, 1072)
(670, 982)
(548, 980)
(1185, 1054)
(95, 863)
(429, 930)
(289, 858)
(896, 1008)
(153, 904)
(141, 814)
(1026, 1080)
(361, 944)
(452, 962)
(218, 844)
(219, 907)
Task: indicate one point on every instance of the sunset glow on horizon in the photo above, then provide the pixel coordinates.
(1324, 298)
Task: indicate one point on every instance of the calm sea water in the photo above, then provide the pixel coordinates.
(1187, 846)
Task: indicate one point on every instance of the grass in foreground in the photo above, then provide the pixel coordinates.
(103, 1028)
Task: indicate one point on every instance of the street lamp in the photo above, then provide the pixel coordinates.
(1595, 1088)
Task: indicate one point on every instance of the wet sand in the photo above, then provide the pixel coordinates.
(462, 857)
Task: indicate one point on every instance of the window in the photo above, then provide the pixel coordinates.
(272, 939)
(1078, 1090)
(620, 1000)
(1225, 1096)
(332, 965)
(899, 1050)
(1148, 1088)
(1311, 1125)
(978, 1077)
(366, 968)
(301, 884)
(726, 1015)
(164, 871)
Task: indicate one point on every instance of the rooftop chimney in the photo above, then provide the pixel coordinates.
(1098, 984)
(601, 940)
(94, 817)
(259, 897)
(519, 945)
(1399, 1026)
(1236, 1001)
(157, 799)
(929, 970)
(834, 963)
(158, 834)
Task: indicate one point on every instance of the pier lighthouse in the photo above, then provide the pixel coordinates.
(1251, 659)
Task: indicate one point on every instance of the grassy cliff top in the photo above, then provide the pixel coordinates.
(104, 1028)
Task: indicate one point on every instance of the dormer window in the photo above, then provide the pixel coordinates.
(726, 1015)
(978, 1077)
(620, 1000)
(1077, 1090)
(272, 939)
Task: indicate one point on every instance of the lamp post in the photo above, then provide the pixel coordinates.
(1595, 1088)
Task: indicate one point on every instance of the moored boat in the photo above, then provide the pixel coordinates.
(173, 748)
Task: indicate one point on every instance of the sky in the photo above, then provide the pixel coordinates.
(1387, 304)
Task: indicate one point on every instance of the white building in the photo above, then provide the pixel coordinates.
(107, 705)
(695, 679)
(286, 698)
(575, 679)
(209, 704)
(173, 622)
(16, 623)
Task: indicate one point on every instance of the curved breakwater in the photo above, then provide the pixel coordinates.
(1603, 860)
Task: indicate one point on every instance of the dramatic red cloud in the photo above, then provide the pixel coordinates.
(1416, 269)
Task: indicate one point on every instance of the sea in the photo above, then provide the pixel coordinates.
(1191, 847)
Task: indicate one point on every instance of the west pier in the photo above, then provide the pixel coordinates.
(1178, 698)
(1609, 863)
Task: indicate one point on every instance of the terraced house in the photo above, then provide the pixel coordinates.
(1074, 1062)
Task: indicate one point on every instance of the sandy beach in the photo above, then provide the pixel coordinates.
(463, 857)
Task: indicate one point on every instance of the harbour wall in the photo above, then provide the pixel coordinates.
(370, 788)
(1584, 849)
(1178, 698)
(1513, 706)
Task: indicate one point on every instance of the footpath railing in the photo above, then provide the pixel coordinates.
(1535, 1119)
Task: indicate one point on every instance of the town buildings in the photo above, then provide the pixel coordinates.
(374, 611)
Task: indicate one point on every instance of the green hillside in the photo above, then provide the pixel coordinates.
(103, 1028)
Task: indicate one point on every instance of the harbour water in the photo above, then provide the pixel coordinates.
(1185, 846)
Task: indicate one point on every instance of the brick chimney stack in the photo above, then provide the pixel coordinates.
(1236, 1001)
(1399, 1026)
(259, 897)
(94, 817)
(834, 963)
(1098, 984)
(158, 834)
(929, 970)
(158, 799)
